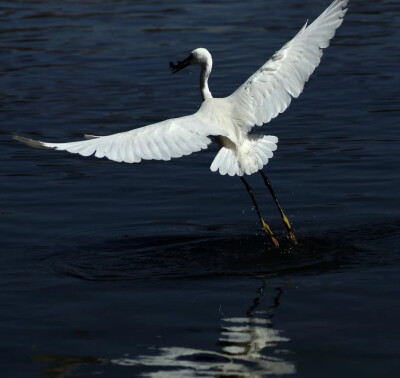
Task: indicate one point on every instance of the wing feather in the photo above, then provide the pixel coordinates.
(161, 141)
(269, 91)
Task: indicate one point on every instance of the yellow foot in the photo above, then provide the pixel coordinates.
(270, 233)
(276, 244)
(289, 228)
(293, 238)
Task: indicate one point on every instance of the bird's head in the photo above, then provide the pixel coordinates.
(198, 56)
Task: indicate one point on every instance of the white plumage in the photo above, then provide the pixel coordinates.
(262, 97)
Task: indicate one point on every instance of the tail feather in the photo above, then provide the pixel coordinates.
(248, 158)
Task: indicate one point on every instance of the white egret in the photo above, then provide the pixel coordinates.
(228, 120)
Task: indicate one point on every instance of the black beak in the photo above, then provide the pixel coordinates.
(180, 65)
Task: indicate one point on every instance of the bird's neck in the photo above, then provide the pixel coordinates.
(205, 74)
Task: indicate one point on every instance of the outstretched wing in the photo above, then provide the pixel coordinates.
(270, 90)
(172, 138)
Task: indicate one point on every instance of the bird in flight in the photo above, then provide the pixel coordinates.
(228, 121)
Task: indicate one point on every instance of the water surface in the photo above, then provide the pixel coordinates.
(160, 269)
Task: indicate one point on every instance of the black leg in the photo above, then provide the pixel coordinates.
(284, 218)
(265, 227)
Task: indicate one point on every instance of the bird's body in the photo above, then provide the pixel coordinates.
(228, 120)
(240, 153)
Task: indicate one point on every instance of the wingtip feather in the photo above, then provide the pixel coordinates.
(33, 143)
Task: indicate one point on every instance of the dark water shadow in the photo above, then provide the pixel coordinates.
(58, 366)
(194, 255)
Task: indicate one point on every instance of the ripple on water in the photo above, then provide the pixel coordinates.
(192, 255)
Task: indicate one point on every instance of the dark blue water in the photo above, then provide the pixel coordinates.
(160, 269)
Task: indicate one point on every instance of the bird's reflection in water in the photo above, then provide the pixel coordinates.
(249, 346)
(249, 339)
